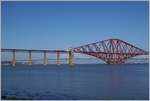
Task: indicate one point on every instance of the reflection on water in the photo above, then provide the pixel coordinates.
(76, 82)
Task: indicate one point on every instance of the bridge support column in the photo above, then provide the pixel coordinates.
(58, 58)
(30, 58)
(71, 57)
(45, 58)
(14, 59)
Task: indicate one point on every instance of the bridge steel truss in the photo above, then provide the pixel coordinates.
(112, 51)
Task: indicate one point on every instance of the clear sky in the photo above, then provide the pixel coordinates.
(60, 25)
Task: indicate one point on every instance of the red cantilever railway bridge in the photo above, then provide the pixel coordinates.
(112, 51)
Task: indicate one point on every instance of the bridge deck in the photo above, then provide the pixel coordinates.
(34, 50)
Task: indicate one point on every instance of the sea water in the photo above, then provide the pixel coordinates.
(81, 82)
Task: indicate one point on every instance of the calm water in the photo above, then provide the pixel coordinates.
(129, 81)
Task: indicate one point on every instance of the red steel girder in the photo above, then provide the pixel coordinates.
(112, 51)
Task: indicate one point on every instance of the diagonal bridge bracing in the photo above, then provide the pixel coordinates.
(112, 51)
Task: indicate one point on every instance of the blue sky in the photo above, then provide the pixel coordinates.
(60, 25)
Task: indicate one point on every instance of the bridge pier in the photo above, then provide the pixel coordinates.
(45, 58)
(30, 58)
(58, 58)
(14, 59)
(71, 56)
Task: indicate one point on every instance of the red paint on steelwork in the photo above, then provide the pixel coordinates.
(112, 51)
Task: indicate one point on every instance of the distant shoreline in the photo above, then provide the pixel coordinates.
(75, 64)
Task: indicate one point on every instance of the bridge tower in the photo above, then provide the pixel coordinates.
(14, 59)
(71, 57)
(30, 58)
(45, 58)
(58, 58)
